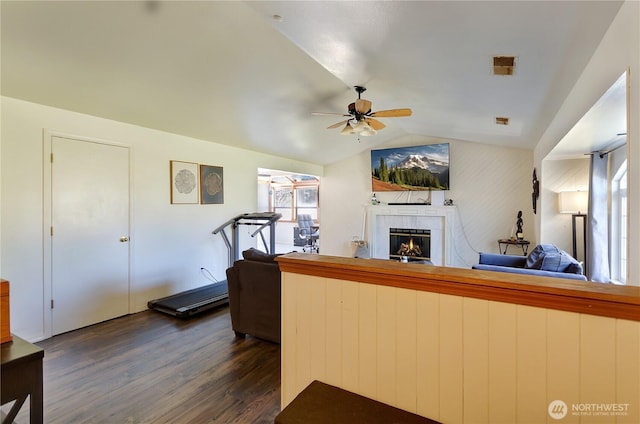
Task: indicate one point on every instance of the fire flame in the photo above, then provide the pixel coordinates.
(409, 249)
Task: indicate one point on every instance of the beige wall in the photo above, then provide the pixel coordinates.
(489, 185)
(456, 359)
(560, 175)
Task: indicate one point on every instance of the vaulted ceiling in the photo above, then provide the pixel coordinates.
(249, 74)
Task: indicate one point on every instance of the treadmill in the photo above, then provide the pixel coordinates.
(191, 302)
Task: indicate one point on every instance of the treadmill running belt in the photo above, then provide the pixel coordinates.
(192, 301)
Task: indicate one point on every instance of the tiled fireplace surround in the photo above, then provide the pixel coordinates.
(438, 219)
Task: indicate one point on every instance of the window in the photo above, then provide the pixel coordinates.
(307, 201)
(282, 201)
(292, 195)
(619, 225)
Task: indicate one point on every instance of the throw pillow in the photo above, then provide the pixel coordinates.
(547, 257)
(253, 254)
(534, 259)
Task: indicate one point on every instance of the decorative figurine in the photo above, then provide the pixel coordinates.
(536, 190)
(519, 233)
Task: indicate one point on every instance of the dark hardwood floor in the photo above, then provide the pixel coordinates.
(152, 368)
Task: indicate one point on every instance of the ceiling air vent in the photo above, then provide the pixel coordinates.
(501, 120)
(504, 65)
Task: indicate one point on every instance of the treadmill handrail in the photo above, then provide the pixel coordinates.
(232, 247)
(254, 217)
(266, 224)
(229, 222)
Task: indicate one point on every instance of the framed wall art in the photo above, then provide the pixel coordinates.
(184, 182)
(211, 185)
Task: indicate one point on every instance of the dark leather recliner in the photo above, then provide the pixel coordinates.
(254, 296)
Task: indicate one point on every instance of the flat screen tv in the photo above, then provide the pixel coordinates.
(410, 168)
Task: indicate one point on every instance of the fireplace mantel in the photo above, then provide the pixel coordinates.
(439, 219)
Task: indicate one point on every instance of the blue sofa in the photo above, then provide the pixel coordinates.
(544, 260)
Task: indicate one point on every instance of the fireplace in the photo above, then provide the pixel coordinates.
(410, 244)
(440, 220)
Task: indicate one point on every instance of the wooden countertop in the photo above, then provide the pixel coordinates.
(546, 292)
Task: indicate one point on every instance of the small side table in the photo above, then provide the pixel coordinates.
(503, 245)
(21, 367)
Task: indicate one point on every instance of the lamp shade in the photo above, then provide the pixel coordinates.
(573, 201)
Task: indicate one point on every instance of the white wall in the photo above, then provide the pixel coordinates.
(618, 51)
(169, 243)
(489, 185)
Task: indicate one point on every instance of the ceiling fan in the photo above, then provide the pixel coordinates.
(360, 118)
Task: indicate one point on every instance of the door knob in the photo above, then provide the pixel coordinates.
(124, 239)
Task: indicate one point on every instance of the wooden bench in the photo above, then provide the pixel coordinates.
(321, 403)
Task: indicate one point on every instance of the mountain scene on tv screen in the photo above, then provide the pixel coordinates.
(411, 168)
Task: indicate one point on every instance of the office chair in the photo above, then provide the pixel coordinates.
(309, 232)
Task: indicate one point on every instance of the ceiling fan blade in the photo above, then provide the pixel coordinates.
(338, 124)
(329, 114)
(392, 113)
(375, 124)
(363, 106)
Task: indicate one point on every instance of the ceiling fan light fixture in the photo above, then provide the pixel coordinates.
(369, 132)
(348, 129)
(362, 125)
(361, 120)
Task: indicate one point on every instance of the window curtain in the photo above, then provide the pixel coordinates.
(597, 221)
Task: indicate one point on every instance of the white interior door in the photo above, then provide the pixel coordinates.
(90, 230)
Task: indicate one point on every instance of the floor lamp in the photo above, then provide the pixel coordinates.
(576, 203)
